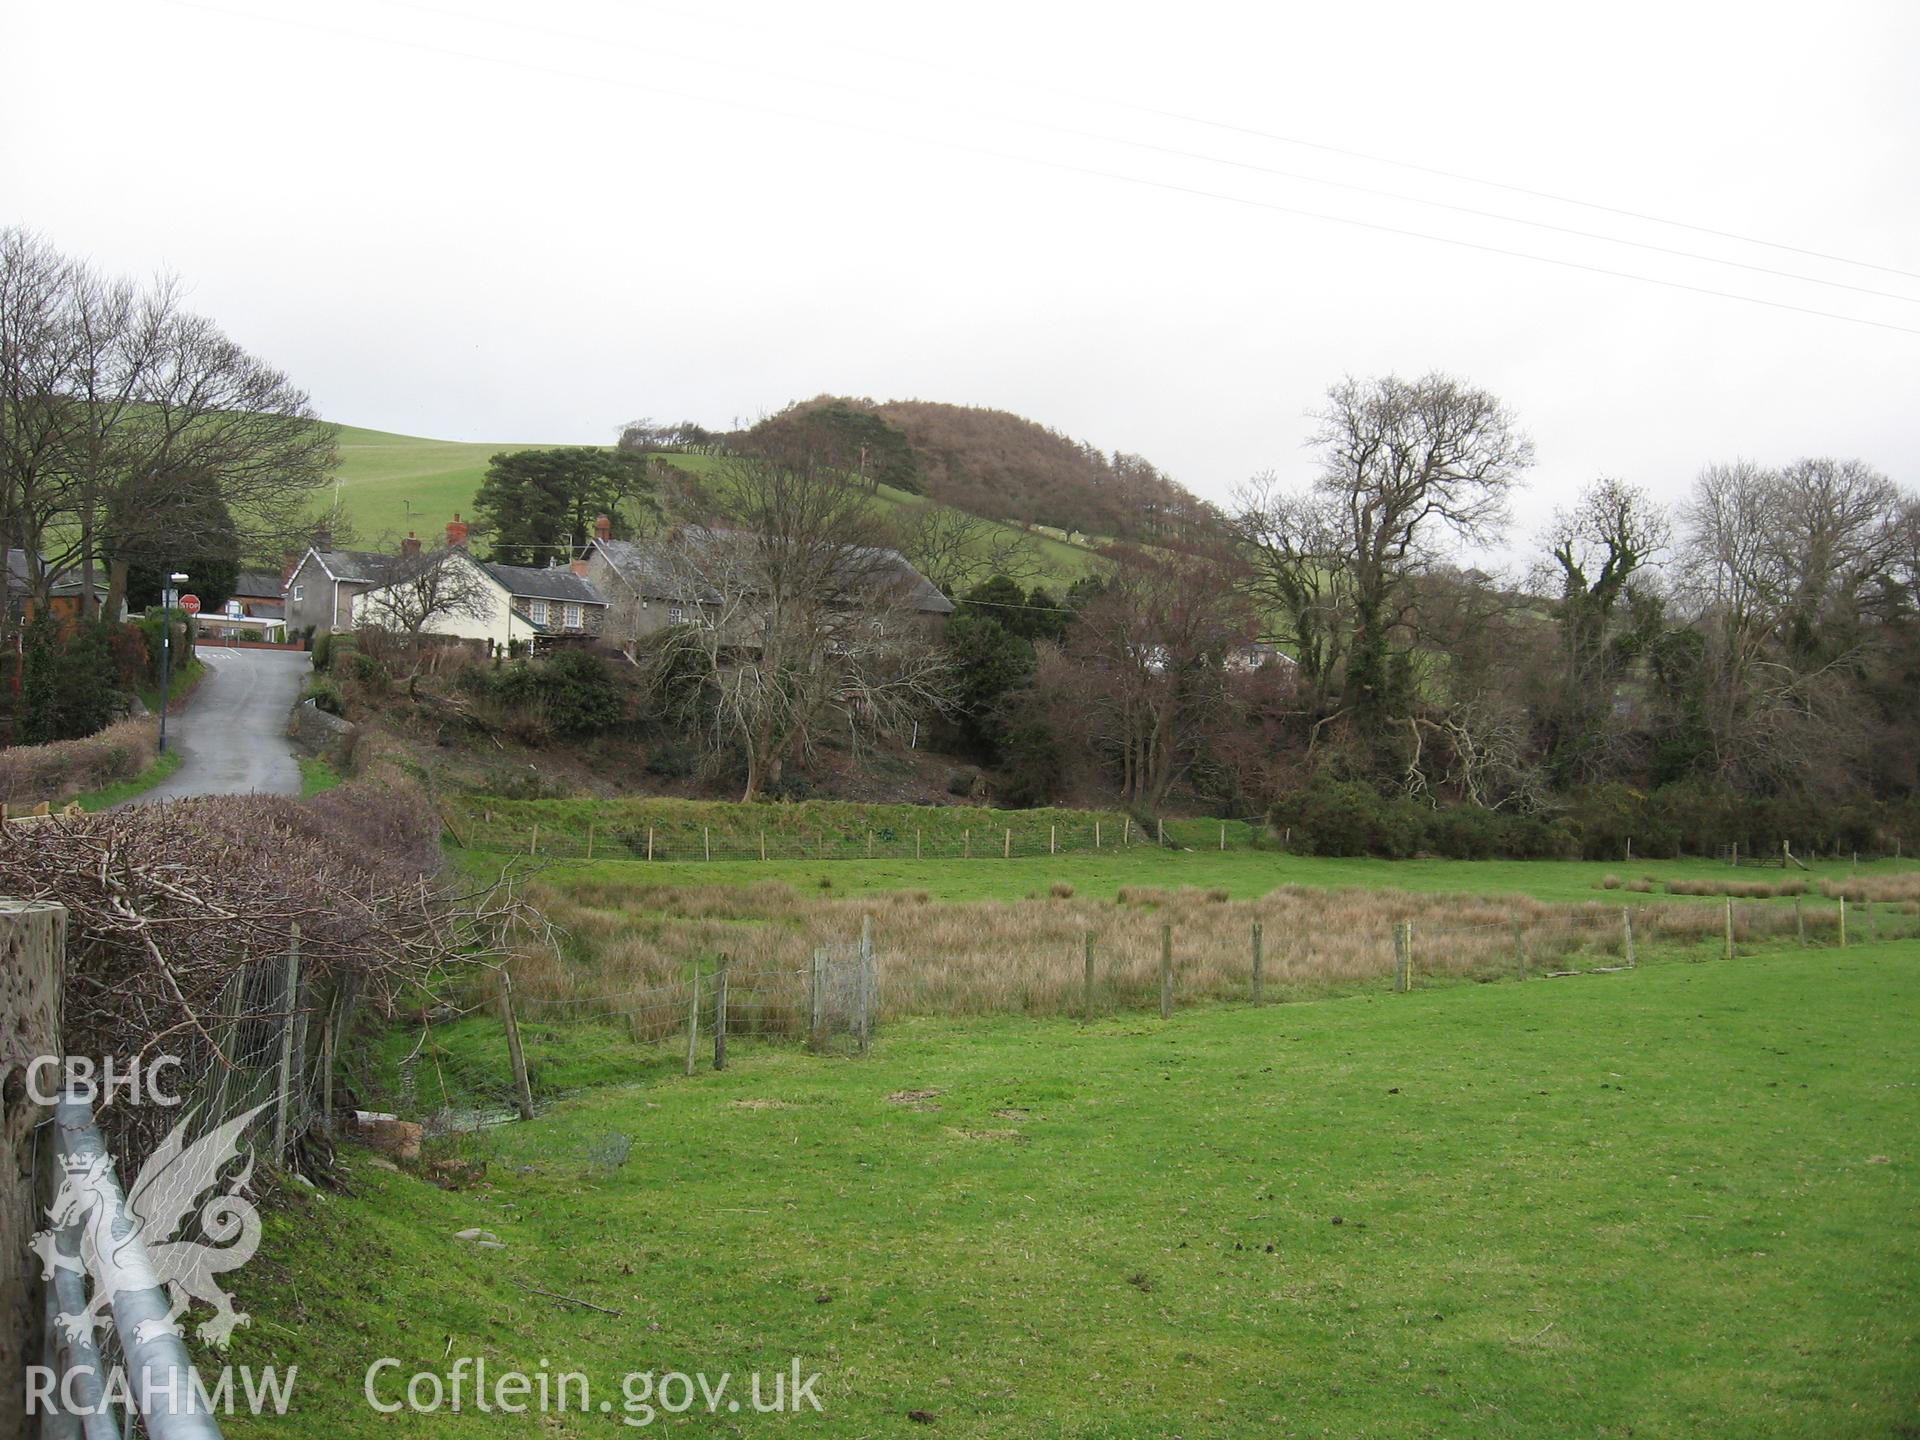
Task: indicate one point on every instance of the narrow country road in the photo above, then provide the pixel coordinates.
(232, 735)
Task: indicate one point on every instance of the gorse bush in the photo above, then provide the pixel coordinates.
(1347, 818)
(572, 694)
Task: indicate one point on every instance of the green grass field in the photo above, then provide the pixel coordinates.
(1243, 873)
(1672, 1202)
(391, 484)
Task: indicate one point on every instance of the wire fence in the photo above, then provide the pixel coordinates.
(841, 993)
(560, 834)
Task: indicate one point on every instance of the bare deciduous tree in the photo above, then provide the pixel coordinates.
(957, 551)
(425, 588)
(801, 621)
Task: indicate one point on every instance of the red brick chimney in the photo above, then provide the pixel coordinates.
(410, 545)
(456, 532)
(603, 528)
(579, 567)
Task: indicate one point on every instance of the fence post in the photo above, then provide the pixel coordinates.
(720, 1016)
(1087, 987)
(1096, 834)
(522, 1087)
(1007, 853)
(1629, 849)
(291, 1002)
(1736, 854)
(763, 846)
(1626, 924)
(916, 843)
(1259, 985)
(1126, 831)
(816, 998)
(693, 1020)
(1166, 971)
(706, 840)
(1800, 921)
(866, 981)
(1843, 922)
(33, 943)
(1223, 834)
(1053, 840)
(533, 846)
(1400, 946)
(1727, 949)
(589, 840)
(966, 837)
(1161, 832)
(649, 842)
(1520, 948)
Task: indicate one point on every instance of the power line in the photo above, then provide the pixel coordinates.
(1173, 151)
(1061, 165)
(1254, 132)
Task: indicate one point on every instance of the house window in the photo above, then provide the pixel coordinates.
(539, 610)
(572, 617)
(676, 615)
(299, 593)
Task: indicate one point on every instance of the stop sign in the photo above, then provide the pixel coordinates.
(190, 604)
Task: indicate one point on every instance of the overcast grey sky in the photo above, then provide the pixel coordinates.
(477, 219)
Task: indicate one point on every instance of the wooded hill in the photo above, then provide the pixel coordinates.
(1002, 466)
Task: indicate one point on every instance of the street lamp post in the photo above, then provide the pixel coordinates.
(169, 595)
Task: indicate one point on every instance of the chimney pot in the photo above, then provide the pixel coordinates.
(410, 545)
(456, 532)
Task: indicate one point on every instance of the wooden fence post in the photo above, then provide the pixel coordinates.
(816, 1000)
(589, 840)
(1259, 985)
(533, 846)
(720, 1016)
(916, 843)
(693, 1020)
(1800, 920)
(706, 839)
(1126, 831)
(865, 985)
(1096, 834)
(522, 1087)
(1626, 925)
(1087, 984)
(1629, 849)
(1053, 840)
(1520, 948)
(291, 1000)
(1007, 853)
(649, 842)
(1223, 834)
(1843, 922)
(1166, 971)
(1161, 832)
(1400, 946)
(966, 839)
(1726, 950)
(33, 943)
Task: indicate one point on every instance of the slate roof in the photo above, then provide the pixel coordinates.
(257, 585)
(554, 582)
(370, 567)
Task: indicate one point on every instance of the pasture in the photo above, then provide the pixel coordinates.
(390, 484)
(1670, 1201)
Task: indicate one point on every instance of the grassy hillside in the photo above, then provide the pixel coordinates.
(1666, 1202)
(390, 484)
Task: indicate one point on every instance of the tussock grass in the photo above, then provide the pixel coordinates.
(1739, 889)
(1876, 889)
(630, 949)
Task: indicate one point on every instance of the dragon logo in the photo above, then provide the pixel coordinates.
(163, 1198)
